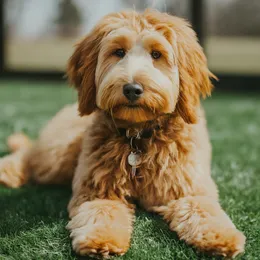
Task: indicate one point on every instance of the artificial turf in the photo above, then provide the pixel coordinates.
(33, 218)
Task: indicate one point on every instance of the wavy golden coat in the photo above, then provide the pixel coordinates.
(161, 54)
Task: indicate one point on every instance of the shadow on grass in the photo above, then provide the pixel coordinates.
(24, 208)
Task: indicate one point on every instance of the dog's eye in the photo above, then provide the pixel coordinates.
(120, 53)
(156, 54)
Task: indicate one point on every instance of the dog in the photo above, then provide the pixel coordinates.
(137, 133)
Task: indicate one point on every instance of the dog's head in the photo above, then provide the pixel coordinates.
(139, 66)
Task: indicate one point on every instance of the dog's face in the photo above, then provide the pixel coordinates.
(136, 75)
(139, 66)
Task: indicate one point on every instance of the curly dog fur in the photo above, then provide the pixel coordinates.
(174, 176)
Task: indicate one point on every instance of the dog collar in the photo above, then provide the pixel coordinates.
(136, 134)
(129, 133)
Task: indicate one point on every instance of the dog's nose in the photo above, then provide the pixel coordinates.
(132, 91)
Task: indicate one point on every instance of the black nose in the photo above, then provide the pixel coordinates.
(132, 91)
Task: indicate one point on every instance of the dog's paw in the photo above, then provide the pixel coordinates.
(96, 241)
(101, 228)
(11, 172)
(201, 222)
(228, 243)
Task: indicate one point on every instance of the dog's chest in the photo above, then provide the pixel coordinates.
(159, 176)
(151, 173)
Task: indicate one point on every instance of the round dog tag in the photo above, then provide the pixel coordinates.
(134, 159)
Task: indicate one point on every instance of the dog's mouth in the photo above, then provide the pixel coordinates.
(134, 106)
(134, 113)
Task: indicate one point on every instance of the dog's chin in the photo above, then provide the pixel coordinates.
(133, 113)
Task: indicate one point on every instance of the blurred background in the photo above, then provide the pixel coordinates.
(37, 36)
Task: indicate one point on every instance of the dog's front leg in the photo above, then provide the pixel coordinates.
(201, 222)
(101, 227)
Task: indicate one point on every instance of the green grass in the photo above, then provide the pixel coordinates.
(33, 218)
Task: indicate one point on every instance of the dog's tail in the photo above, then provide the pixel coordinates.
(18, 141)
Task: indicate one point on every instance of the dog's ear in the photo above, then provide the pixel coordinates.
(194, 74)
(81, 72)
(82, 64)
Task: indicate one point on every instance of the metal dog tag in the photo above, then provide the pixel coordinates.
(134, 159)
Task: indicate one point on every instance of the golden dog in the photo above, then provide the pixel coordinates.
(141, 136)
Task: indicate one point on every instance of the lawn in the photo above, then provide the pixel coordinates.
(33, 218)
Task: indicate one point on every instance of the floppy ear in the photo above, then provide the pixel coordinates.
(194, 74)
(82, 64)
(81, 72)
